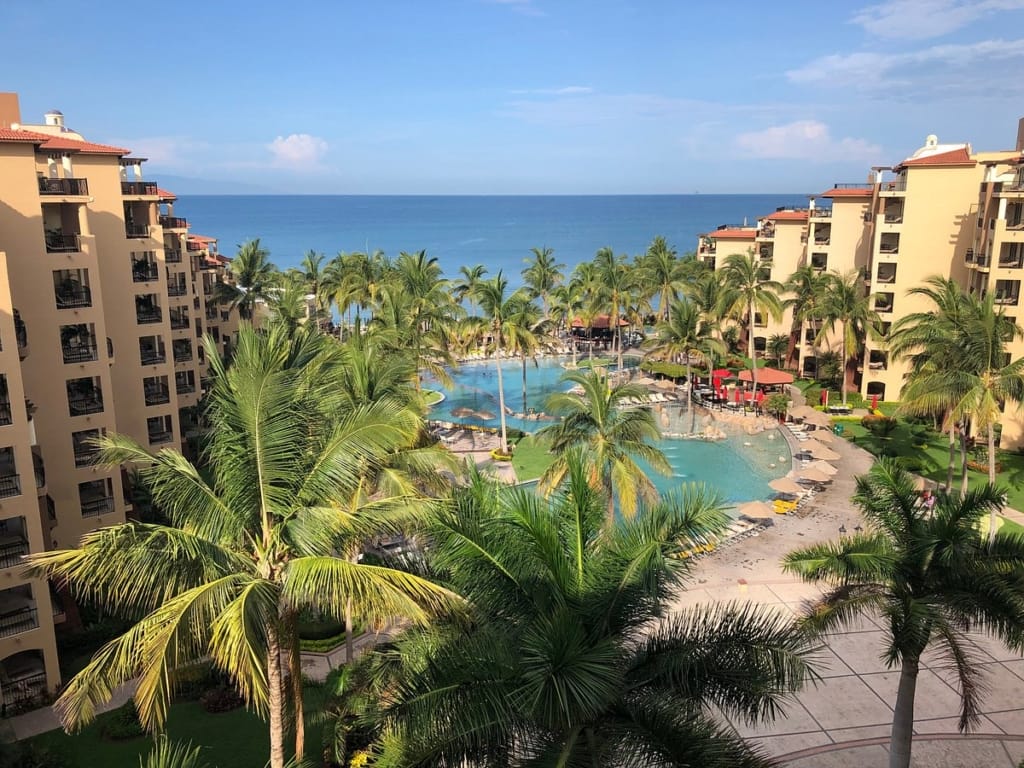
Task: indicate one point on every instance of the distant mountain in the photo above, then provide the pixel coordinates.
(187, 185)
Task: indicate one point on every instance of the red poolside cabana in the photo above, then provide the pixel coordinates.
(768, 377)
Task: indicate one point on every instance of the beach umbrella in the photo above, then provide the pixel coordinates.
(665, 384)
(716, 383)
(485, 415)
(818, 419)
(462, 412)
(802, 411)
(722, 373)
(755, 510)
(823, 467)
(874, 402)
(924, 484)
(644, 381)
(819, 451)
(813, 476)
(823, 435)
(785, 485)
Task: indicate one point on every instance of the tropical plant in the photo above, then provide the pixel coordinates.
(777, 348)
(684, 336)
(806, 288)
(612, 284)
(173, 754)
(543, 274)
(527, 334)
(254, 276)
(571, 657)
(499, 307)
(464, 287)
(848, 305)
(750, 293)
(253, 539)
(613, 432)
(663, 273)
(312, 269)
(929, 578)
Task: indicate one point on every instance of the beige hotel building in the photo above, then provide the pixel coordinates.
(103, 302)
(944, 210)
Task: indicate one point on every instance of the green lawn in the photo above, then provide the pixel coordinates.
(531, 458)
(432, 397)
(934, 458)
(236, 739)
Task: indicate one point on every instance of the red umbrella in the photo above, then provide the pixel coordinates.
(760, 396)
(738, 394)
(716, 383)
(874, 402)
(824, 397)
(722, 373)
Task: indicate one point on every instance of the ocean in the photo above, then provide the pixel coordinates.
(496, 231)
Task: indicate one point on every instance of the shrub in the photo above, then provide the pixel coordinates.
(223, 698)
(122, 724)
(195, 680)
(982, 466)
(880, 426)
(318, 630)
(911, 464)
(28, 755)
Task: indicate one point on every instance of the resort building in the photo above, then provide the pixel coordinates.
(102, 302)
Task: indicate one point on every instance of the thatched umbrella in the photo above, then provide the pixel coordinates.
(755, 510)
(814, 476)
(818, 451)
(786, 485)
(822, 466)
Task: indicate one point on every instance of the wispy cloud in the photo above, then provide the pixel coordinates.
(872, 70)
(923, 19)
(166, 151)
(568, 90)
(803, 140)
(297, 151)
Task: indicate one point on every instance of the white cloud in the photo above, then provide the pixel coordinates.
(297, 150)
(922, 19)
(872, 70)
(803, 140)
(167, 151)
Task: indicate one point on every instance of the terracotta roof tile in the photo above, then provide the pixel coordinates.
(732, 233)
(165, 195)
(60, 143)
(202, 239)
(955, 157)
(865, 192)
(787, 216)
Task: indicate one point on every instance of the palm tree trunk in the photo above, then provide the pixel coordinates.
(689, 396)
(952, 455)
(501, 400)
(903, 717)
(842, 369)
(350, 648)
(753, 350)
(295, 669)
(275, 698)
(611, 505)
(963, 459)
(524, 384)
(618, 342)
(992, 517)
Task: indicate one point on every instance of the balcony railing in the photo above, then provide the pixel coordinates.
(173, 222)
(5, 413)
(179, 323)
(151, 315)
(822, 240)
(889, 248)
(79, 353)
(858, 185)
(63, 186)
(153, 356)
(766, 232)
(157, 394)
(97, 506)
(51, 508)
(39, 469)
(1013, 262)
(894, 218)
(136, 230)
(72, 297)
(183, 355)
(57, 242)
(12, 548)
(821, 213)
(156, 437)
(85, 455)
(20, 333)
(194, 245)
(86, 403)
(172, 255)
(896, 185)
(10, 485)
(144, 271)
(886, 278)
(177, 289)
(211, 313)
(139, 188)
(18, 621)
(1006, 298)
(24, 690)
(184, 387)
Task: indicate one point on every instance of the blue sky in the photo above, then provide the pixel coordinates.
(522, 96)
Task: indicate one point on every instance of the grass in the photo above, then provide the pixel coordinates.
(236, 739)
(531, 458)
(432, 397)
(934, 458)
(598, 362)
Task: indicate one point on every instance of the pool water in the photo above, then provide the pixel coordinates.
(739, 467)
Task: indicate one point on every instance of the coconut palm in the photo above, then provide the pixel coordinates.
(312, 269)
(743, 276)
(571, 658)
(685, 336)
(663, 273)
(930, 579)
(254, 278)
(253, 539)
(612, 283)
(566, 305)
(848, 304)
(806, 288)
(499, 307)
(526, 334)
(614, 433)
(543, 274)
(465, 284)
(777, 347)
(173, 754)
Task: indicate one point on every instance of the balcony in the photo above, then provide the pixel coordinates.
(51, 508)
(6, 417)
(182, 354)
(20, 334)
(179, 323)
(14, 621)
(172, 255)
(818, 241)
(58, 242)
(133, 231)
(83, 352)
(160, 436)
(173, 222)
(184, 387)
(889, 247)
(821, 213)
(144, 271)
(1006, 298)
(151, 356)
(225, 316)
(73, 297)
(894, 185)
(211, 312)
(96, 505)
(177, 289)
(139, 188)
(39, 469)
(13, 546)
(10, 483)
(767, 232)
(157, 394)
(68, 187)
(84, 403)
(194, 245)
(1011, 261)
(147, 315)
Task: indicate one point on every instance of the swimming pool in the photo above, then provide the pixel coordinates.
(740, 467)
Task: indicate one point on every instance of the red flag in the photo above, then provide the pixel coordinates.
(738, 395)
(874, 402)
(716, 383)
(824, 397)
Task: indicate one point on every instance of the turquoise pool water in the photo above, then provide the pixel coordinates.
(739, 467)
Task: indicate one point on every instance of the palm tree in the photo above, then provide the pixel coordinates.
(928, 576)
(613, 282)
(173, 754)
(287, 301)
(806, 287)
(685, 336)
(526, 333)
(570, 658)
(253, 539)
(662, 272)
(743, 276)
(613, 433)
(465, 285)
(542, 275)
(777, 347)
(566, 305)
(312, 269)
(254, 278)
(498, 307)
(847, 303)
